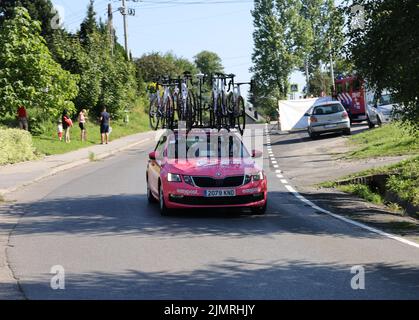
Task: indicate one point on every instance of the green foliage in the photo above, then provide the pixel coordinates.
(281, 36)
(40, 10)
(386, 50)
(208, 62)
(15, 146)
(154, 65)
(29, 75)
(320, 82)
(363, 192)
(405, 181)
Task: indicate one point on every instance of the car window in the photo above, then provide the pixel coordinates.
(385, 100)
(328, 109)
(339, 88)
(347, 87)
(357, 85)
(161, 144)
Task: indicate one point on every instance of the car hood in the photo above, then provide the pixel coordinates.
(212, 167)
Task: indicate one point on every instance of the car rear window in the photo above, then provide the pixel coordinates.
(328, 109)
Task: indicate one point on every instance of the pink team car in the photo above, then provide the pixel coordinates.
(210, 171)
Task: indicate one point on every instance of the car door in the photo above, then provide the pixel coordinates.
(154, 167)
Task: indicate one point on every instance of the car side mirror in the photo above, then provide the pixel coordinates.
(306, 114)
(257, 154)
(152, 156)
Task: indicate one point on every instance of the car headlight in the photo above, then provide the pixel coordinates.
(171, 177)
(257, 177)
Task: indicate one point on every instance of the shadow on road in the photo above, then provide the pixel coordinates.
(131, 214)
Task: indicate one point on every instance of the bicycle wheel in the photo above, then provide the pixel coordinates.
(169, 114)
(153, 113)
(239, 114)
(191, 109)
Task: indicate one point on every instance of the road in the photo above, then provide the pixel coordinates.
(95, 222)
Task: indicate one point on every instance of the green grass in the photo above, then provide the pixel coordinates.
(48, 143)
(403, 181)
(363, 192)
(395, 139)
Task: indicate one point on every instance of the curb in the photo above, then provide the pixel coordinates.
(70, 165)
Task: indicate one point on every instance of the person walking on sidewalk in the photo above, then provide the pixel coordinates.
(105, 121)
(22, 116)
(67, 124)
(82, 124)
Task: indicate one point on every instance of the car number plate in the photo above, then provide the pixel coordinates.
(220, 193)
(330, 126)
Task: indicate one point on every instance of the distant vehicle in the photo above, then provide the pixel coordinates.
(351, 92)
(328, 117)
(209, 179)
(380, 111)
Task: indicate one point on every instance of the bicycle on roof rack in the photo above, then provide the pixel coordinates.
(161, 110)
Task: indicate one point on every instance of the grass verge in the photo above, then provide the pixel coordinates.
(48, 143)
(394, 139)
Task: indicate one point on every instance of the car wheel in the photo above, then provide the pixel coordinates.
(370, 124)
(164, 211)
(260, 210)
(347, 132)
(313, 135)
(150, 196)
(379, 123)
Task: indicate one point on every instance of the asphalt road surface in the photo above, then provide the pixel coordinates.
(95, 222)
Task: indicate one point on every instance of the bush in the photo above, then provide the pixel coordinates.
(15, 146)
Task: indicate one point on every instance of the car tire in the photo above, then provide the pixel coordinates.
(379, 123)
(260, 210)
(370, 124)
(313, 135)
(150, 197)
(164, 211)
(347, 132)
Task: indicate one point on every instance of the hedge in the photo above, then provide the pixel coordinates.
(15, 146)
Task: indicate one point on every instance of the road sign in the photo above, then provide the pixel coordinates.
(294, 88)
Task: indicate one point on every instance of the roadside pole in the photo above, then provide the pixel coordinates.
(124, 15)
(110, 27)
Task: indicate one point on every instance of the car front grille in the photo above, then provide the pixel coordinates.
(218, 201)
(228, 182)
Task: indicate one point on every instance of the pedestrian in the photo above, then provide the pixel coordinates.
(105, 121)
(22, 116)
(82, 124)
(60, 130)
(67, 124)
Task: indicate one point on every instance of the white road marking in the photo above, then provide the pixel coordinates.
(352, 222)
(339, 217)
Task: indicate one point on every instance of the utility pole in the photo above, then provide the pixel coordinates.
(110, 27)
(332, 71)
(307, 79)
(124, 14)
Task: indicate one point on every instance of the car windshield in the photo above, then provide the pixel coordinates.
(209, 147)
(328, 109)
(385, 100)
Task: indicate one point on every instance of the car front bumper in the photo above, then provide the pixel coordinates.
(183, 196)
(330, 127)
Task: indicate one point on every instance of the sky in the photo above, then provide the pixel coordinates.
(184, 27)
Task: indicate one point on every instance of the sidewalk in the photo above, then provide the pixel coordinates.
(13, 177)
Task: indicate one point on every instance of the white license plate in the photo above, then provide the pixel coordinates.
(330, 125)
(220, 193)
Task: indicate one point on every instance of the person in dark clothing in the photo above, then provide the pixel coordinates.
(105, 121)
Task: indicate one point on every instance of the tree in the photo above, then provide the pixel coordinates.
(326, 26)
(29, 75)
(41, 10)
(281, 36)
(385, 51)
(208, 62)
(89, 24)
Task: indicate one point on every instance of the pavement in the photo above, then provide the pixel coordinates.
(94, 221)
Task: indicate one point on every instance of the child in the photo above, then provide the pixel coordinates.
(60, 130)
